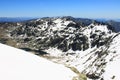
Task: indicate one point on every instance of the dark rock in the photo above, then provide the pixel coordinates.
(92, 76)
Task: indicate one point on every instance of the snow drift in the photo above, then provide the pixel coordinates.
(16, 64)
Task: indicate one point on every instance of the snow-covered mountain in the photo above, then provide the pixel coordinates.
(91, 47)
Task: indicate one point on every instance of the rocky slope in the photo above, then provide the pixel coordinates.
(89, 46)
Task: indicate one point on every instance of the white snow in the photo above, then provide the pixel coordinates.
(38, 19)
(54, 52)
(112, 68)
(61, 24)
(67, 22)
(16, 64)
(115, 45)
(58, 21)
(102, 28)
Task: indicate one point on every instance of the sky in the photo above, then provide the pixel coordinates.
(52, 8)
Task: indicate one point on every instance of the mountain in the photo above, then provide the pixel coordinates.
(89, 46)
(20, 65)
(114, 24)
(117, 20)
(16, 19)
(63, 33)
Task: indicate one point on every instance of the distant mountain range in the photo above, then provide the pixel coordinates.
(117, 20)
(19, 19)
(104, 20)
(15, 19)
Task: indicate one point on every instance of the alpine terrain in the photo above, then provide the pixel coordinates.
(86, 46)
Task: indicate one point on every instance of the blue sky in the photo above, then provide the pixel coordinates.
(75, 8)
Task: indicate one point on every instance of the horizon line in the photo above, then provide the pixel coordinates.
(54, 16)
